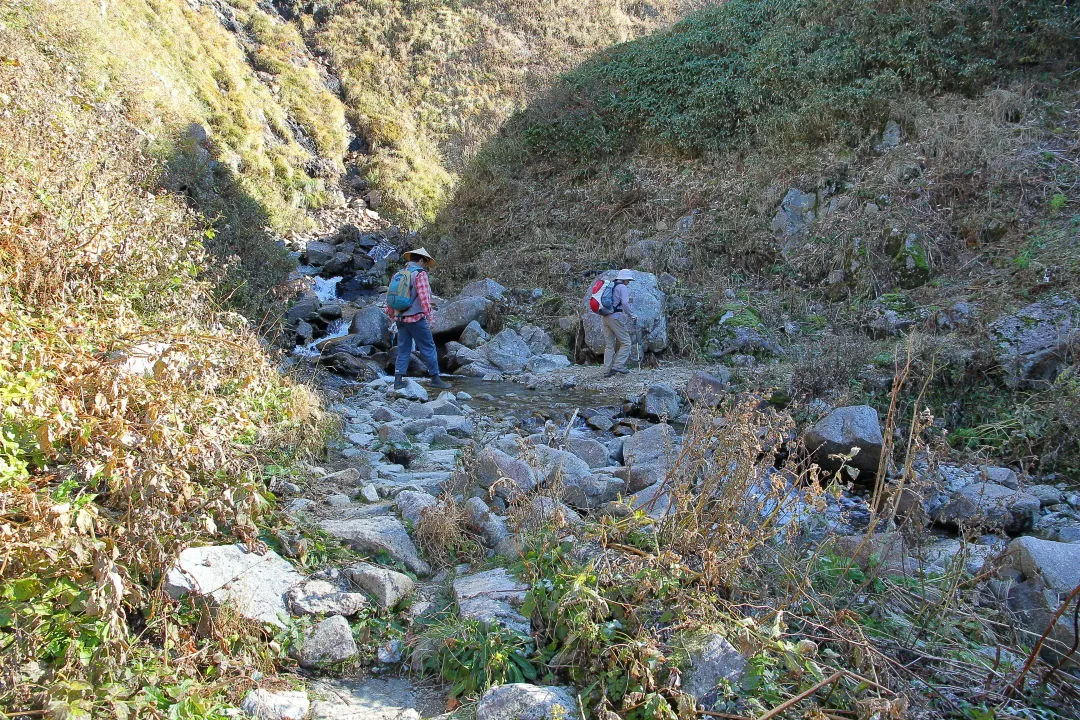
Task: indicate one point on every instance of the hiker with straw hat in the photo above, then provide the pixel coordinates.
(408, 304)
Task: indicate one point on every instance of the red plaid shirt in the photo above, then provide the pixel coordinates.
(423, 292)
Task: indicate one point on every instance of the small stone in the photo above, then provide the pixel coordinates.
(370, 493)
(328, 643)
(319, 597)
(387, 587)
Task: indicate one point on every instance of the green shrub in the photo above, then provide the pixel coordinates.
(796, 70)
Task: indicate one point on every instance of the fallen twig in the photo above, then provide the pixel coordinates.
(801, 696)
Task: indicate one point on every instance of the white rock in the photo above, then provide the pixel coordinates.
(266, 705)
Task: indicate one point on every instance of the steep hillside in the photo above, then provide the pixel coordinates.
(807, 169)
(426, 83)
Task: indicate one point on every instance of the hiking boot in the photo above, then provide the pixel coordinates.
(609, 374)
(438, 382)
(621, 371)
(399, 382)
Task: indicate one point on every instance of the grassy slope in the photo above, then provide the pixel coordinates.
(986, 180)
(428, 82)
(104, 473)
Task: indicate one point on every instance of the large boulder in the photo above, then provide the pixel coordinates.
(507, 351)
(379, 534)
(251, 584)
(593, 452)
(537, 339)
(553, 464)
(371, 326)
(493, 597)
(591, 491)
(990, 507)
(521, 701)
(412, 504)
(649, 454)
(548, 362)
(282, 705)
(458, 355)
(486, 288)
(305, 308)
(843, 429)
(452, 319)
(319, 253)
(650, 306)
(473, 336)
(661, 401)
(1056, 563)
(1035, 343)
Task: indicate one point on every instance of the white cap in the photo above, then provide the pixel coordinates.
(625, 274)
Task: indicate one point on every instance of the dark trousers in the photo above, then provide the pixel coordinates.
(418, 334)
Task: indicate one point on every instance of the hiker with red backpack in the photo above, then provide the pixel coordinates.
(408, 304)
(610, 299)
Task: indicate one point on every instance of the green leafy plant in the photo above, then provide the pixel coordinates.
(473, 656)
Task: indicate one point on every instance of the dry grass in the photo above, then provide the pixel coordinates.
(444, 537)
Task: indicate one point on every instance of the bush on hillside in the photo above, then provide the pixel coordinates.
(787, 70)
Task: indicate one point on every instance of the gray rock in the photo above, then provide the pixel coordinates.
(507, 351)
(650, 305)
(655, 500)
(1056, 563)
(890, 136)
(338, 500)
(491, 597)
(370, 493)
(348, 476)
(546, 511)
(796, 212)
(989, 507)
(367, 699)
(1000, 476)
(411, 505)
(1047, 494)
(493, 465)
(412, 391)
(712, 661)
(319, 597)
(394, 435)
(486, 288)
(649, 454)
(306, 308)
(253, 585)
(386, 586)
(452, 319)
(843, 429)
(546, 363)
(379, 534)
(520, 701)
(553, 464)
(537, 339)
(319, 253)
(661, 401)
(283, 705)
(602, 420)
(592, 491)
(371, 326)
(1034, 343)
(591, 451)
(707, 389)
(473, 335)
(329, 642)
(491, 527)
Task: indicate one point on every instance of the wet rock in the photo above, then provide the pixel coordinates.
(379, 534)
(648, 454)
(843, 429)
(492, 597)
(284, 705)
(306, 308)
(387, 587)
(708, 389)
(1035, 343)
(319, 253)
(712, 660)
(253, 585)
(486, 288)
(989, 507)
(371, 327)
(329, 642)
(452, 319)
(411, 504)
(1056, 563)
(473, 335)
(520, 701)
(546, 363)
(650, 306)
(507, 351)
(493, 465)
(320, 597)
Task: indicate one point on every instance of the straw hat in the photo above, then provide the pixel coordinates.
(421, 252)
(625, 275)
